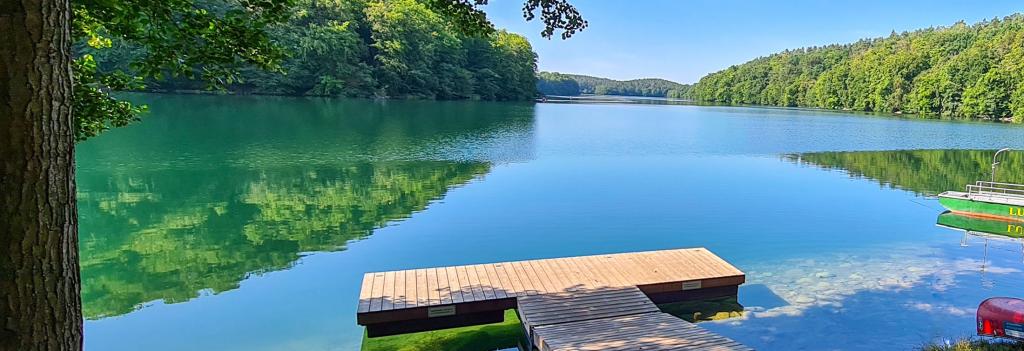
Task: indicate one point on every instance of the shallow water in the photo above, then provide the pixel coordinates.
(245, 223)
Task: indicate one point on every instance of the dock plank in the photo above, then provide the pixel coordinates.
(557, 285)
(591, 279)
(365, 293)
(400, 298)
(647, 331)
(583, 305)
(474, 279)
(422, 290)
(485, 283)
(444, 289)
(533, 269)
(388, 299)
(466, 284)
(492, 278)
(378, 291)
(505, 270)
(434, 294)
(410, 289)
(455, 287)
(529, 280)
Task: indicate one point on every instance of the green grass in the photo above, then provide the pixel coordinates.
(975, 345)
(486, 337)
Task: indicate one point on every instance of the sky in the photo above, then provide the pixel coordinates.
(682, 40)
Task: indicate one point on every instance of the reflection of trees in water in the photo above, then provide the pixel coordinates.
(172, 235)
(924, 172)
(203, 132)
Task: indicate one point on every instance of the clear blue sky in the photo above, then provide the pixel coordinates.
(683, 40)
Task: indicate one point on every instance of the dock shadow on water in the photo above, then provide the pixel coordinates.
(705, 310)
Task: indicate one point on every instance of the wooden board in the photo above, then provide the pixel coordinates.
(583, 305)
(646, 331)
(665, 269)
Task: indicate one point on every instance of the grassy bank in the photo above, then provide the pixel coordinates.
(975, 345)
(476, 338)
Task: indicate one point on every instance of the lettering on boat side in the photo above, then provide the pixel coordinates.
(1017, 211)
(440, 311)
(691, 285)
(1014, 229)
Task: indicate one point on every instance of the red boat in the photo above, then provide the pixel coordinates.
(1001, 317)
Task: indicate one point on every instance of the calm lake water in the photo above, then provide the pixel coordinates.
(246, 223)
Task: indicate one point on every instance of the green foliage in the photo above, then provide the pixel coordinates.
(554, 83)
(682, 92)
(926, 172)
(466, 16)
(556, 14)
(97, 111)
(551, 83)
(959, 71)
(207, 40)
(398, 48)
(506, 334)
(319, 47)
(972, 344)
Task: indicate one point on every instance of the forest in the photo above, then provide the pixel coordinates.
(394, 48)
(957, 72)
(563, 84)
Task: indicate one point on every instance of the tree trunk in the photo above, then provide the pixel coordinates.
(40, 307)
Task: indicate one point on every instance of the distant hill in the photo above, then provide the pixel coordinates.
(554, 83)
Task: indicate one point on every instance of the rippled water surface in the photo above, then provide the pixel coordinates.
(245, 223)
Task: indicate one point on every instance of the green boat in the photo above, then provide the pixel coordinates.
(981, 227)
(988, 199)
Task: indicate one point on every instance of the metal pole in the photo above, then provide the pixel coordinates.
(995, 163)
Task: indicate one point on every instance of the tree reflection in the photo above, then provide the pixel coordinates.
(925, 172)
(172, 236)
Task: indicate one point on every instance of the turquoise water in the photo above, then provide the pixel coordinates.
(245, 223)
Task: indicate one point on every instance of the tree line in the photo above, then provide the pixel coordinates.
(960, 71)
(394, 48)
(563, 84)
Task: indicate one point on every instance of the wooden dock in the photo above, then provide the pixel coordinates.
(553, 296)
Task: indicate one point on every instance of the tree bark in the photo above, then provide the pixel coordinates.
(40, 306)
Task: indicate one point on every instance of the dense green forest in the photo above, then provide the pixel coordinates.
(926, 172)
(554, 83)
(960, 71)
(394, 48)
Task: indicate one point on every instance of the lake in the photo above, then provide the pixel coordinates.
(246, 223)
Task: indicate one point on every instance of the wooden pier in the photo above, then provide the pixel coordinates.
(606, 295)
